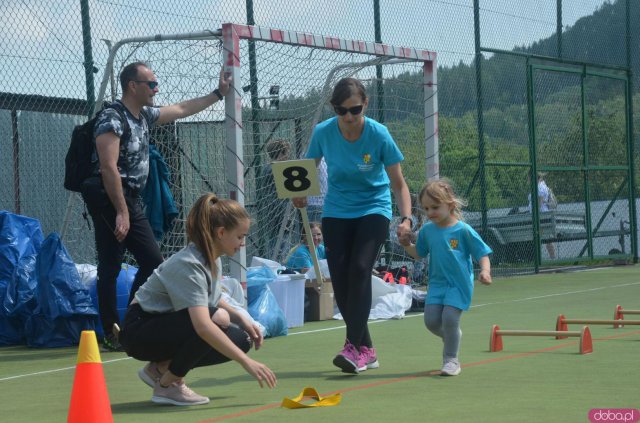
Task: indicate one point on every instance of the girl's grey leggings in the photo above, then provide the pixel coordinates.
(444, 321)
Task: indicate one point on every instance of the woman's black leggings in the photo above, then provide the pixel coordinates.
(352, 246)
(171, 336)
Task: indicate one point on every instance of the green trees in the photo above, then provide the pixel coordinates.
(560, 144)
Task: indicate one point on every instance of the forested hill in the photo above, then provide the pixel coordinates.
(598, 38)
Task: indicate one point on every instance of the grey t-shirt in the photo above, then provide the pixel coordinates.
(133, 159)
(182, 281)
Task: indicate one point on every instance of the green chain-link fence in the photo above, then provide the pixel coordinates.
(544, 86)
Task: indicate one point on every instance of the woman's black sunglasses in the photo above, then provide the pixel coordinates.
(355, 110)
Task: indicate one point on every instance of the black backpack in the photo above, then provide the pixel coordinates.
(79, 163)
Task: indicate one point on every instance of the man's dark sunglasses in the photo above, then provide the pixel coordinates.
(151, 84)
(355, 110)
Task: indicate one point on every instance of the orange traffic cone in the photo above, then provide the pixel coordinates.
(89, 397)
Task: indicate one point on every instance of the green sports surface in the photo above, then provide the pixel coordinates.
(532, 379)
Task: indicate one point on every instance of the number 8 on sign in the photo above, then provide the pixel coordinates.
(296, 178)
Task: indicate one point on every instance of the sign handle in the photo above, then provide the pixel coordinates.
(312, 247)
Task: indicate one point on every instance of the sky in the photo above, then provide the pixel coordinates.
(41, 41)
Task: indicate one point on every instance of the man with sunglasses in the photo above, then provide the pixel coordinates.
(122, 150)
(363, 167)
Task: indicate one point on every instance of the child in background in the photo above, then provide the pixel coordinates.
(299, 258)
(451, 244)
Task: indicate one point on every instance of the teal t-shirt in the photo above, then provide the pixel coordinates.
(358, 184)
(300, 257)
(450, 266)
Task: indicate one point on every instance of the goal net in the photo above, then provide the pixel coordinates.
(281, 85)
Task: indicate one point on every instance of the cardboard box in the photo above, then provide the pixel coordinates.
(321, 300)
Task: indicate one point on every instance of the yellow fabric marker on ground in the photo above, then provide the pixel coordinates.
(312, 393)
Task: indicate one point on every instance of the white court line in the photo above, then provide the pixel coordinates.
(44, 372)
(337, 327)
(371, 322)
(558, 294)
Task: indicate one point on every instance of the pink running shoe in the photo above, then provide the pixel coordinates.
(348, 359)
(370, 358)
(150, 374)
(176, 394)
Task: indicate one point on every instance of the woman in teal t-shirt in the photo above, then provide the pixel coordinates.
(363, 163)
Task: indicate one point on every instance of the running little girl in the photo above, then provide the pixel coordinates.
(451, 244)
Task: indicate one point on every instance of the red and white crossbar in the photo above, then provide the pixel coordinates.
(250, 32)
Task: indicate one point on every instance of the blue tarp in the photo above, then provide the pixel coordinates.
(43, 301)
(20, 241)
(64, 307)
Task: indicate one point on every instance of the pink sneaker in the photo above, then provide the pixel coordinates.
(349, 359)
(150, 374)
(369, 358)
(176, 394)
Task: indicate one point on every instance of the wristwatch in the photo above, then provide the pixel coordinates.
(406, 218)
(218, 94)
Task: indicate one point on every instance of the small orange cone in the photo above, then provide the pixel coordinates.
(89, 397)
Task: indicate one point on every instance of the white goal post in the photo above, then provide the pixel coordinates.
(234, 33)
(281, 81)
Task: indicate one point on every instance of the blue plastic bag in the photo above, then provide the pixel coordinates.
(64, 306)
(20, 240)
(262, 304)
(257, 279)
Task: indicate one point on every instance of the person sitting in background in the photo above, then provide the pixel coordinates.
(299, 258)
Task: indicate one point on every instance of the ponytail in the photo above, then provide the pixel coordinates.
(207, 214)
